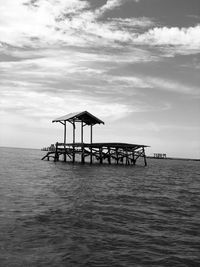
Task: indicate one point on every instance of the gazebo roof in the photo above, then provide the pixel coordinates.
(83, 116)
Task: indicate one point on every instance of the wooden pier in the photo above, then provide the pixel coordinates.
(110, 153)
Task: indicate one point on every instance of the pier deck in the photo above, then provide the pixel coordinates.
(110, 153)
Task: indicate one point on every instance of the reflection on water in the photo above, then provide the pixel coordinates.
(56, 214)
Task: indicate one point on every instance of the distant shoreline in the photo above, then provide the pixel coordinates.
(172, 158)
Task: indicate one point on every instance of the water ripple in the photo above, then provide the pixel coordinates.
(73, 215)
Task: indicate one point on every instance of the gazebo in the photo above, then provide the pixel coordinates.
(83, 117)
(123, 153)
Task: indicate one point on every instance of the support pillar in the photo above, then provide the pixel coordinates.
(91, 144)
(109, 160)
(83, 154)
(81, 131)
(65, 141)
(133, 155)
(126, 157)
(145, 160)
(73, 156)
(82, 144)
(91, 155)
(117, 156)
(56, 157)
(100, 155)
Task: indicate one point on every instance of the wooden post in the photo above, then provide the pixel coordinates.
(91, 154)
(127, 157)
(91, 144)
(73, 131)
(109, 161)
(82, 154)
(65, 142)
(100, 155)
(117, 156)
(74, 137)
(133, 155)
(91, 134)
(82, 148)
(145, 160)
(122, 157)
(56, 158)
(81, 131)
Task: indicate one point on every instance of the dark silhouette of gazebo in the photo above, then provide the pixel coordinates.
(84, 117)
(117, 152)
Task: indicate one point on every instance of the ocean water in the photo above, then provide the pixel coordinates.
(58, 214)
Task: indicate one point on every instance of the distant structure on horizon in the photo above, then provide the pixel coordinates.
(160, 156)
(49, 148)
(118, 153)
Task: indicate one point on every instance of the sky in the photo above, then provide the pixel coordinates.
(134, 64)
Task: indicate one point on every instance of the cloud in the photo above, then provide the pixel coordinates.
(65, 72)
(23, 24)
(40, 105)
(45, 23)
(67, 63)
(172, 86)
(57, 70)
(131, 23)
(110, 4)
(182, 39)
(34, 86)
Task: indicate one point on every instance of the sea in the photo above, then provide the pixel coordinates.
(62, 214)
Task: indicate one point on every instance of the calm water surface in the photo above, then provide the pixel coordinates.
(56, 214)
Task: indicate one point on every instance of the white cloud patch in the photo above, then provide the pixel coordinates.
(131, 23)
(110, 4)
(41, 105)
(183, 39)
(172, 86)
(45, 23)
(23, 24)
